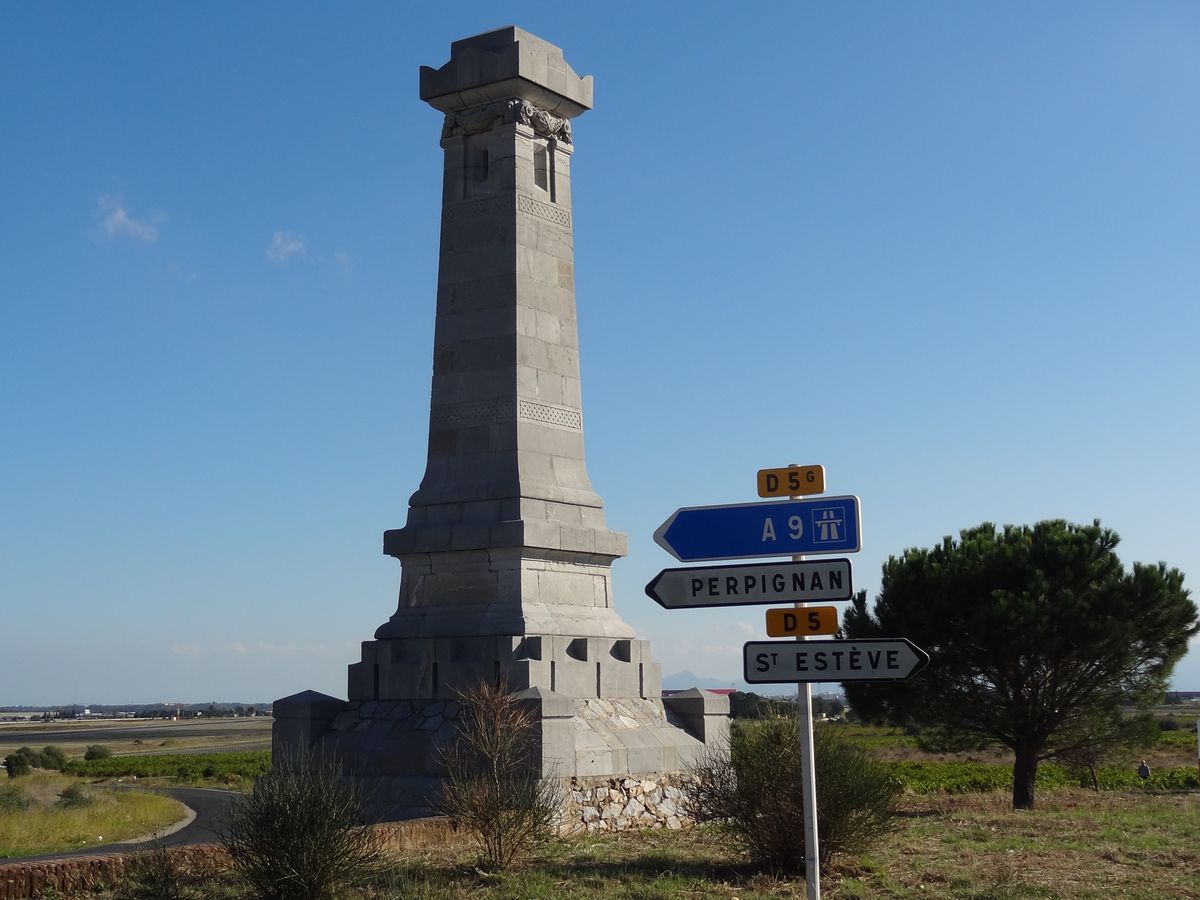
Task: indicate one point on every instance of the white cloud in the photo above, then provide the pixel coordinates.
(285, 245)
(342, 258)
(745, 628)
(118, 223)
(186, 649)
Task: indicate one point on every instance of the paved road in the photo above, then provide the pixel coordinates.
(209, 806)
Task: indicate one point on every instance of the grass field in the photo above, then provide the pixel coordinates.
(1076, 845)
(46, 825)
(1172, 749)
(134, 736)
(1132, 840)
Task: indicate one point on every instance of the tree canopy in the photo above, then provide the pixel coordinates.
(1036, 635)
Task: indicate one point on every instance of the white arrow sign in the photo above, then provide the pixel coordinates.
(871, 659)
(802, 582)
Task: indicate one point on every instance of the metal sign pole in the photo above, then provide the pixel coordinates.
(812, 872)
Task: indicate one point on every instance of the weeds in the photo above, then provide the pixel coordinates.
(494, 785)
(299, 834)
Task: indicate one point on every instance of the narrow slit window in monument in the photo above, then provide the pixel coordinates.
(478, 168)
(541, 168)
(434, 677)
(375, 694)
(597, 679)
(553, 680)
(496, 672)
(641, 680)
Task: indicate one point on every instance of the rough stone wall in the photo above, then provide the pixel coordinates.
(21, 881)
(24, 881)
(621, 804)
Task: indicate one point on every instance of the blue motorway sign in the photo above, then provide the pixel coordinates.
(782, 528)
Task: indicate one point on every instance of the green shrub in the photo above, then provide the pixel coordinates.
(299, 834)
(17, 764)
(27, 758)
(239, 764)
(1185, 738)
(52, 757)
(96, 751)
(755, 794)
(13, 799)
(73, 796)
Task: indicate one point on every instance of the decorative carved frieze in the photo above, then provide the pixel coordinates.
(483, 118)
(470, 209)
(547, 211)
(498, 412)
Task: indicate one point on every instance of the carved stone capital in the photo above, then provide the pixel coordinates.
(478, 119)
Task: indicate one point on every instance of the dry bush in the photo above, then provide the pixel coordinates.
(493, 785)
(156, 875)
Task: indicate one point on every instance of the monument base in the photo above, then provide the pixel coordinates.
(394, 747)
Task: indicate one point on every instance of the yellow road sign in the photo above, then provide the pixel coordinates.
(802, 622)
(792, 481)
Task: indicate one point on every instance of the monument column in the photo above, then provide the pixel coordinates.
(505, 554)
(506, 535)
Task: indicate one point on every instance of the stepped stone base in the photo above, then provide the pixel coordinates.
(393, 747)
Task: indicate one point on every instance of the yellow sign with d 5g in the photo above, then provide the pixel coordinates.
(793, 481)
(807, 620)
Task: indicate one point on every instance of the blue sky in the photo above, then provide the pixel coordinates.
(949, 251)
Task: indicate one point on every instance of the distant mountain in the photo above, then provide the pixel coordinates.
(681, 681)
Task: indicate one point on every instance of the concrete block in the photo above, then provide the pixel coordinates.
(300, 719)
(703, 714)
(643, 753)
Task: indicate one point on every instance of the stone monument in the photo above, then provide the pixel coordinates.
(505, 556)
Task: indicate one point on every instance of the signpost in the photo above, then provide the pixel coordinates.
(795, 527)
(871, 659)
(745, 530)
(792, 481)
(802, 621)
(817, 580)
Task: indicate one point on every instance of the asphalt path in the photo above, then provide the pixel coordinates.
(210, 807)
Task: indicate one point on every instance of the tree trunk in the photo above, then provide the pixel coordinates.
(1025, 765)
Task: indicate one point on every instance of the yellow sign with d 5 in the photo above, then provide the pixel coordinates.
(802, 622)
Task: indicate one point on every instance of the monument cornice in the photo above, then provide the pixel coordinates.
(513, 110)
